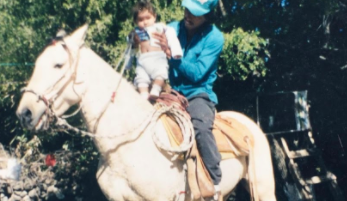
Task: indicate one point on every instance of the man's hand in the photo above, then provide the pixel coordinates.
(162, 42)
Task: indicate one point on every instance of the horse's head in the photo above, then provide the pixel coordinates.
(52, 88)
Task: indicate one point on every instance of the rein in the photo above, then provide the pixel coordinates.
(126, 57)
(149, 122)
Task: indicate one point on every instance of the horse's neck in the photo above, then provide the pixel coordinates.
(122, 116)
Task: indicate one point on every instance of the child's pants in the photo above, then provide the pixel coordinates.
(149, 66)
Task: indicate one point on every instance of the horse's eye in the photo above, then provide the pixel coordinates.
(58, 65)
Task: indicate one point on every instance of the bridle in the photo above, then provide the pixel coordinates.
(53, 92)
(49, 96)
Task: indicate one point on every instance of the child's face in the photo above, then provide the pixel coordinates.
(145, 19)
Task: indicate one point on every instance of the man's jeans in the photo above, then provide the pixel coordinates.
(202, 112)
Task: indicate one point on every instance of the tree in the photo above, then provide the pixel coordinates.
(307, 44)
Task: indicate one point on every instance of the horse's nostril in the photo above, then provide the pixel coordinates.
(27, 114)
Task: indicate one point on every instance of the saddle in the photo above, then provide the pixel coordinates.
(233, 139)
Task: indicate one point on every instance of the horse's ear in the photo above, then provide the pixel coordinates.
(79, 35)
(61, 33)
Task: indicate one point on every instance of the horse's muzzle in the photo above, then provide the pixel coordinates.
(25, 117)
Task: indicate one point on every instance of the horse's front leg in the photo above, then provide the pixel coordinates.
(114, 187)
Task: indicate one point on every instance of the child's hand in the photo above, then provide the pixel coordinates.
(135, 39)
(162, 42)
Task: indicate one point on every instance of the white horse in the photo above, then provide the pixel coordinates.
(132, 167)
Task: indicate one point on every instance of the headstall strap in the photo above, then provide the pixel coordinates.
(40, 97)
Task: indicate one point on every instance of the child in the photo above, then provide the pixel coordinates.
(152, 64)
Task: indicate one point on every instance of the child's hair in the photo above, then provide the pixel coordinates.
(141, 6)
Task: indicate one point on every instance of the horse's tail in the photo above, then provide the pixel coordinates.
(253, 190)
(260, 171)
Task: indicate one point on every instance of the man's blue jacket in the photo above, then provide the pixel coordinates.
(195, 72)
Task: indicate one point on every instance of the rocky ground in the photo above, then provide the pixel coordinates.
(49, 177)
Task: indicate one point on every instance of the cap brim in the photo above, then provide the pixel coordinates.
(194, 8)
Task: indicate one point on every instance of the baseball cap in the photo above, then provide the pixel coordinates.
(199, 7)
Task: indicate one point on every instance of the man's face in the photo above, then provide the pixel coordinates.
(192, 22)
(145, 19)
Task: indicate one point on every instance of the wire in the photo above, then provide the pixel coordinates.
(17, 64)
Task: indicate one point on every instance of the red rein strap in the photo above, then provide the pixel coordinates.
(113, 96)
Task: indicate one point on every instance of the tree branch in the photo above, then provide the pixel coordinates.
(222, 8)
